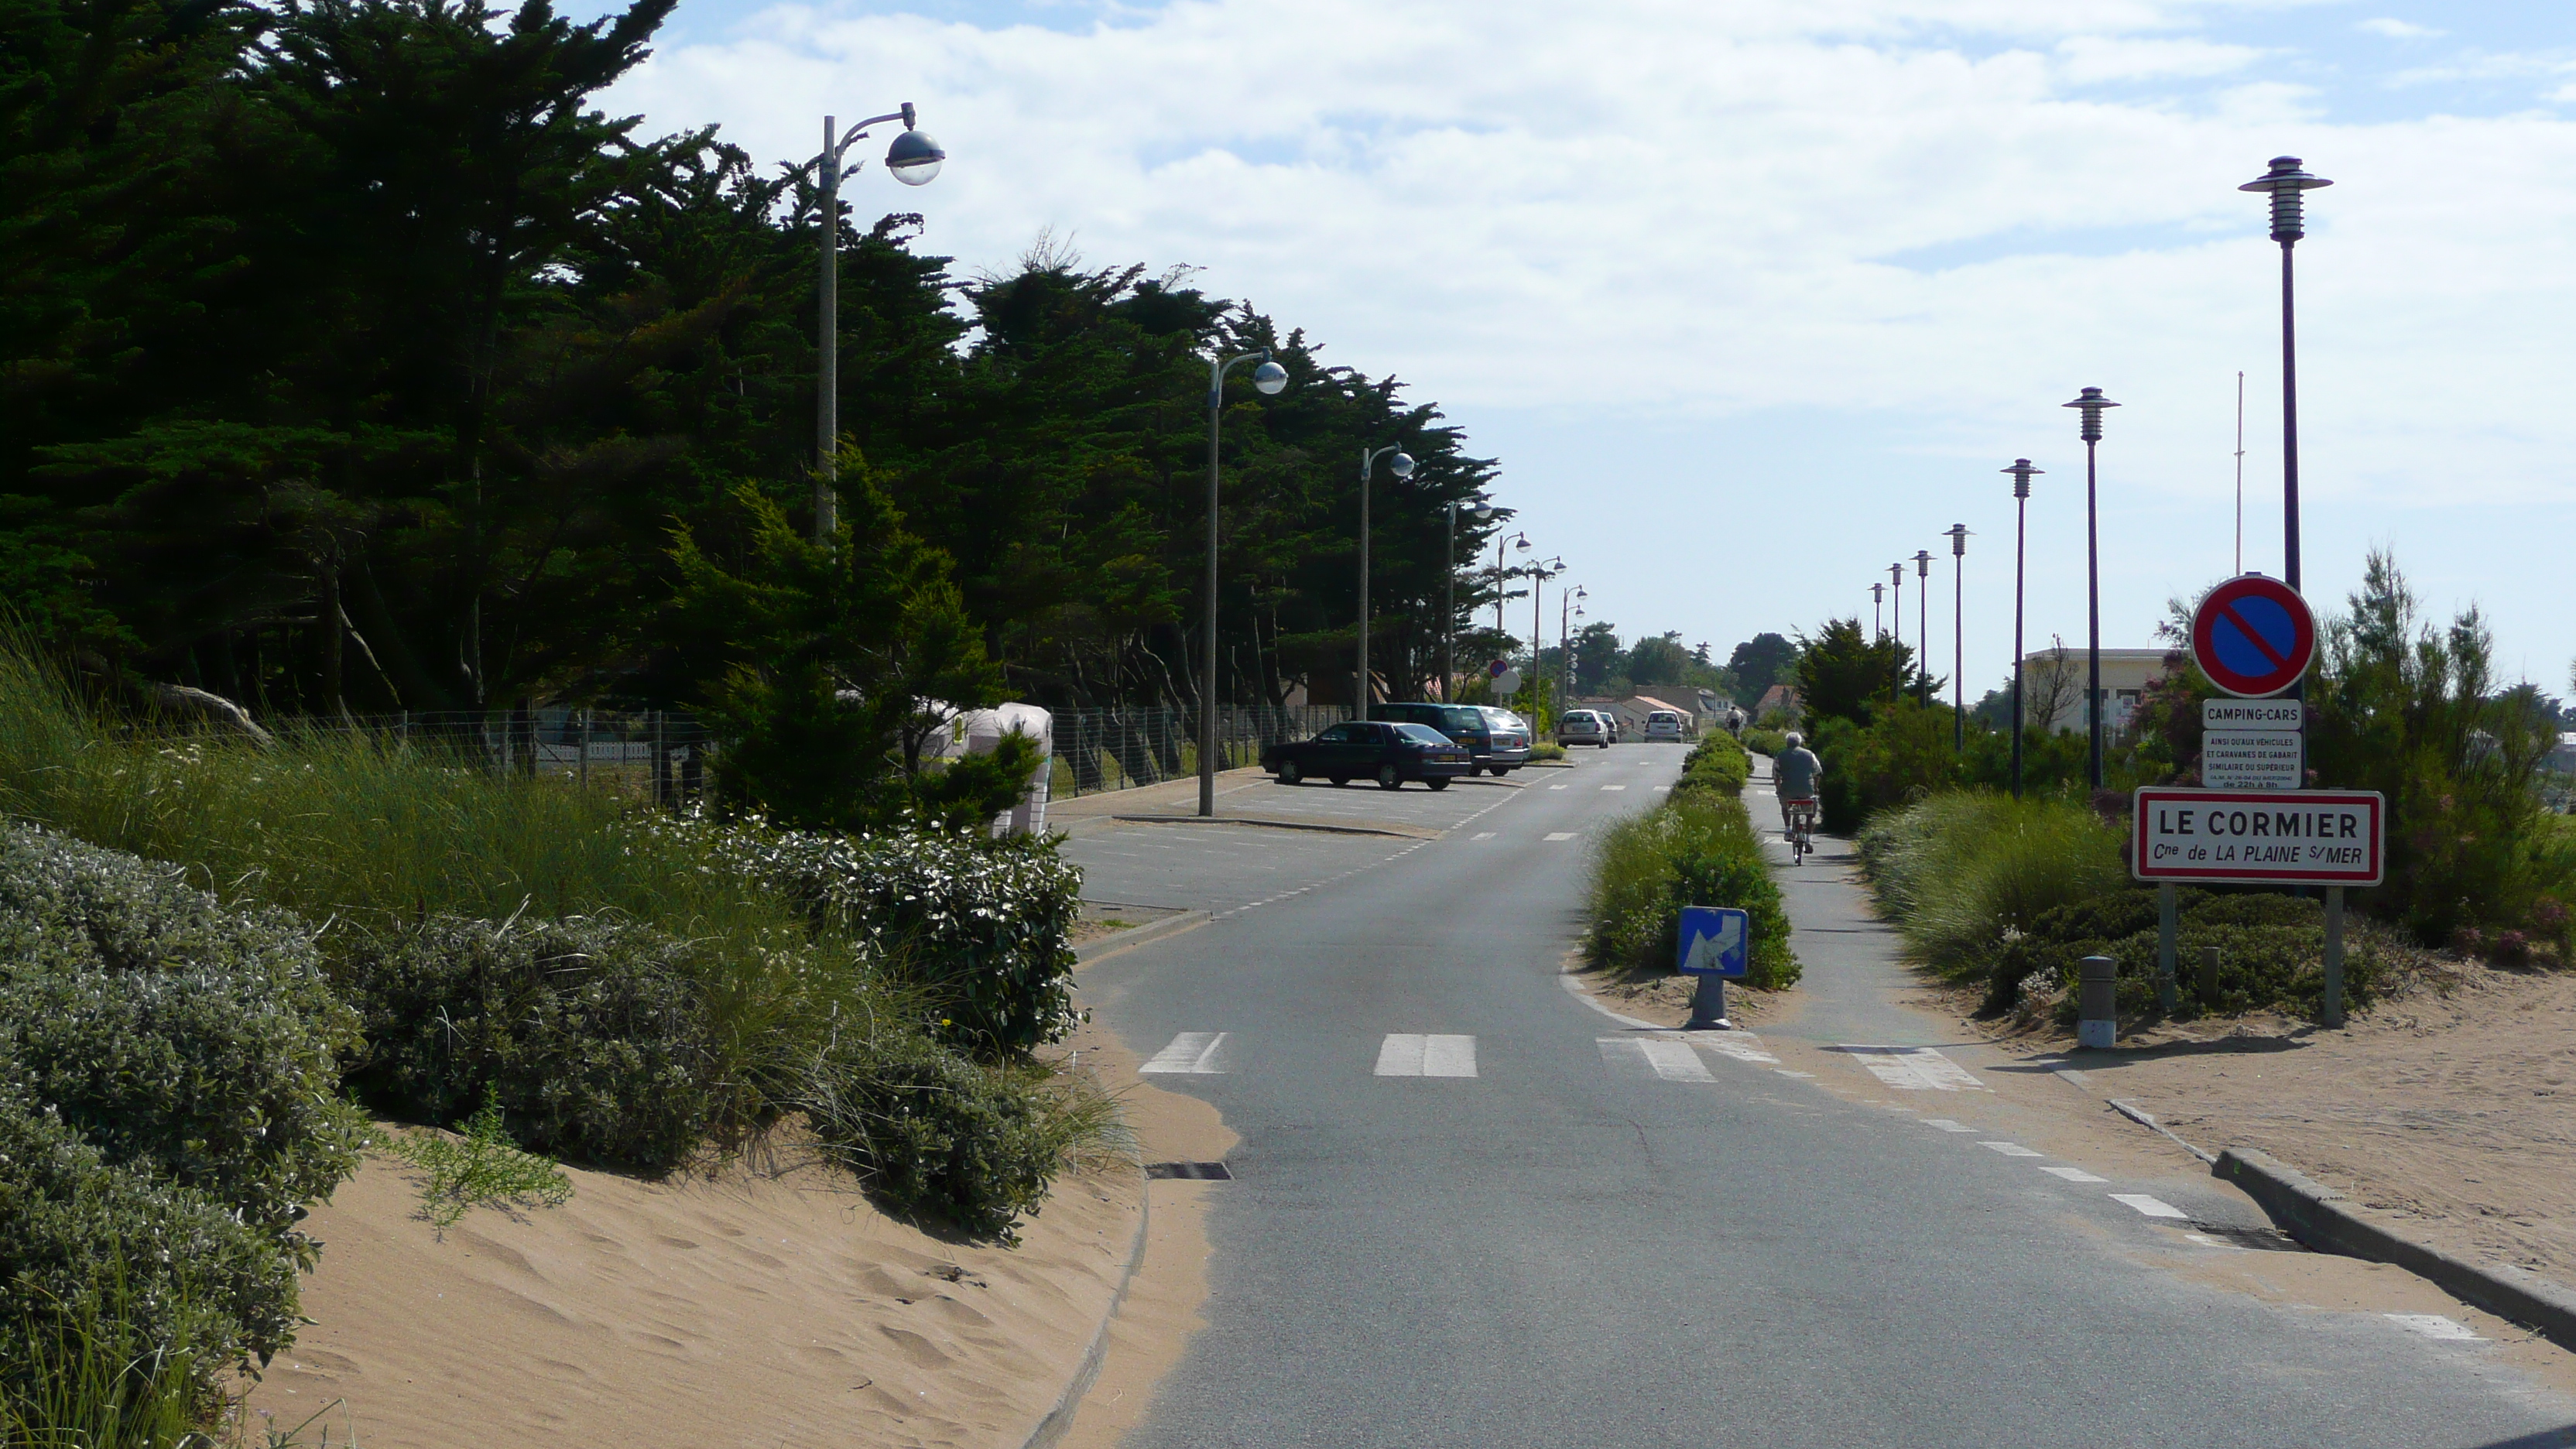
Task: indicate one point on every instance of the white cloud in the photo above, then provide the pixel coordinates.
(2398, 29)
(1671, 216)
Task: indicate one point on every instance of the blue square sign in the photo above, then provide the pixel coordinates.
(1716, 941)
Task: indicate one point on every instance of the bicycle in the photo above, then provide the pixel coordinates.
(1801, 818)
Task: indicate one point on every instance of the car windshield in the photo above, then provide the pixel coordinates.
(1424, 733)
(1504, 719)
(1462, 717)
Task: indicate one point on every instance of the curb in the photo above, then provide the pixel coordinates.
(1272, 822)
(1060, 1418)
(1138, 935)
(2316, 1215)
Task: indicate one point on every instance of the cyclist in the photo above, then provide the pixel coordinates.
(1735, 723)
(1795, 773)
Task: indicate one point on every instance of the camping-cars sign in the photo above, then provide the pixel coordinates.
(2259, 837)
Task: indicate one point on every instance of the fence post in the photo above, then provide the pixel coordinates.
(2165, 928)
(582, 770)
(661, 761)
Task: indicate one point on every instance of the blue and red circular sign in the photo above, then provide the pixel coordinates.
(2253, 636)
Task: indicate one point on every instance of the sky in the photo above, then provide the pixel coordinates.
(1751, 298)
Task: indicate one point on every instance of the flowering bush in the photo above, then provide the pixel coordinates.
(984, 926)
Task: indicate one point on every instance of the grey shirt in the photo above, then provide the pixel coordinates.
(1794, 773)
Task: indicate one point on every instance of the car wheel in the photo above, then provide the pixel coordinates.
(1289, 774)
(1474, 770)
(1437, 782)
(1388, 779)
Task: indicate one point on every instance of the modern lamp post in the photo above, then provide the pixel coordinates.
(1401, 465)
(1896, 621)
(1521, 539)
(2285, 181)
(2022, 473)
(1877, 610)
(2091, 402)
(1923, 624)
(913, 159)
(1958, 536)
(1270, 378)
(1539, 573)
(1449, 601)
(1565, 643)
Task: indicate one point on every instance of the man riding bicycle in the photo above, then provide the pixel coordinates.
(1795, 774)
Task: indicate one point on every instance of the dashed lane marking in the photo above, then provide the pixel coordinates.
(1194, 1053)
(1914, 1069)
(1946, 1125)
(1673, 1061)
(1413, 1054)
(1483, 835)
(2009, 1149)
(1659, 789)
(2073, 1174)
(1614, 787)
(1560, 835)
(2154, 1207)
(2434, 1325)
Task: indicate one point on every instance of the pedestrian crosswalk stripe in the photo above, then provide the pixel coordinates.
(2154, 1207)
(1671, 1060)
(2009, 1149)
(1946, 1125)
(1914, 1069)
(2073, 1174)
(1413, 1054)
(1195, 1053)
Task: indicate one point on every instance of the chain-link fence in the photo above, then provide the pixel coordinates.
(1118, 749)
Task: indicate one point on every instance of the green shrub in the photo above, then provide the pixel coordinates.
(932, 1133)
(1766, 741)
(1716, 764)
(1698, 849)
(982, 927)
(195, 1043)
(586, 1031)
(83, 1240)
(88, 1375)
(478, 1168)
(1960, 873)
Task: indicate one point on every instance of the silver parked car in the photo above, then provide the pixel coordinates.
(1583, 727)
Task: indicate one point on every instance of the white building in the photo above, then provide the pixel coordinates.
(2052, 684)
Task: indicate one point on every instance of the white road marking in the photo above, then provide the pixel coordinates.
(1784, 1071)
(1663, 1057)
(1560, 835)
(2073, 1174)
(2009, 1149)
(1744, 1046)
(1556, 787)
(1914, 1069)
(1196, 1053)
(1946, 1125)
(2154, 1207)
(1614, 787)
(1659, 789)
(2434, 1325)
(1483, 835)
(1412, 1054)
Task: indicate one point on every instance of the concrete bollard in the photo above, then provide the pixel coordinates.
(2098, 982)
(1708, 1005)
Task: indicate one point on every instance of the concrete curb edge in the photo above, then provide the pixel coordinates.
(1137, 935)
(1060, 1418)
(2315, 1215)
(1274, 823)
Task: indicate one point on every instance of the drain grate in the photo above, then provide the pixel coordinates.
(1196, 1171)
(2261, 1240)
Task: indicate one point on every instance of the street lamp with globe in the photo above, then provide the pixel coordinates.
(1270, 379)
(913, 159)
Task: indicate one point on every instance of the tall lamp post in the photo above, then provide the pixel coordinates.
(2285, 180)
(1539, 574)
(1958, 536)
(1521, 539)
(2022, 473)
(1568, 609)
(1896, 620)
(1401, 466)
(1877, 610)
(1270, 378)
(1923, 624)
(2091, 403)
(1449, 600)
(913, 159)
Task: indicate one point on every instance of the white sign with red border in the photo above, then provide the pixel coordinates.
(2259, 837)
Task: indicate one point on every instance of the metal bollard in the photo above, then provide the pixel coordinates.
(2098, 979)
(2209, 975)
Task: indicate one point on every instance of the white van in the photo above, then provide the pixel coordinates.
(1663, 724)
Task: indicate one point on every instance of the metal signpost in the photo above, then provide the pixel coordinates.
(1716, 943)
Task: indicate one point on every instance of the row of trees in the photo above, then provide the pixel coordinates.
(355, 361)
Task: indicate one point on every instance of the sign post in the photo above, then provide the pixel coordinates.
(2330, 838)
(1716, 943)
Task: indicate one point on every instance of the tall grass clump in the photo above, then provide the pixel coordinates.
(1698, 849)
(1961, 873)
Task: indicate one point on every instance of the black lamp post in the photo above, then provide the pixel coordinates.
(2022, 473)
(1958, 536)
(2285, 181)
(1923, 624)
(1878, 611)
(1449, 602)
(1896, 622)
(2091, 402)
(1268, 378)
(1401, 465)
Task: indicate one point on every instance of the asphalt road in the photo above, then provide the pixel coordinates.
(1610, 1238)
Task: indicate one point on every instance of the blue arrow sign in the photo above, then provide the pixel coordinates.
(1715, 941)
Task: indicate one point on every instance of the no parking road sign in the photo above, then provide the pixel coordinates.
(2253, 636)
